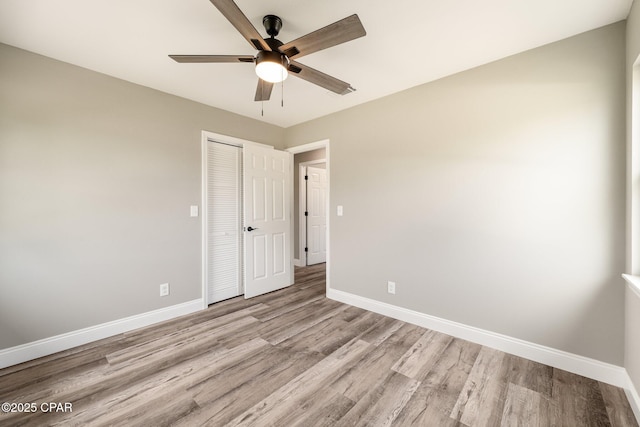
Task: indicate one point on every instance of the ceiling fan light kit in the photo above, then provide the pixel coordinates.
(273, 62)
(272, 66)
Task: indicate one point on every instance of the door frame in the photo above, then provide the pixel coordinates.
(204, 235)
(325, 143)
(302, 195)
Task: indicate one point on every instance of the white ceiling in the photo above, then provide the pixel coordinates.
(408, 42)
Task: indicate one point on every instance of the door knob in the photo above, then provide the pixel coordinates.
(251, 228)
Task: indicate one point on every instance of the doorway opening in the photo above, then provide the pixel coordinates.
(314, 155)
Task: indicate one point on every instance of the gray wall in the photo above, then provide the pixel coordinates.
(96, 179)
(297, 159)
(494, 197)
(632, 308)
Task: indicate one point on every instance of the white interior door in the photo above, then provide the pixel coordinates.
(267, 220)
(316, 215)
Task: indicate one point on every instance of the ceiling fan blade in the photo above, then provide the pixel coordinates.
(211, 58)
(263, 91)
(319, 78)
(232, 12)
(339, 32)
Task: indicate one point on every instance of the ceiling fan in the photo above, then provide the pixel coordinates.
(275, 59)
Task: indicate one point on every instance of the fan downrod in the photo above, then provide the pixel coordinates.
(272, 24)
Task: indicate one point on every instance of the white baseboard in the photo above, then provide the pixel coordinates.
(298, 263)
(44, 347)
(634, 398)
(591, 368)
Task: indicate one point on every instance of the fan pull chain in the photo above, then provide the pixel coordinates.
(282, 94)
(262, 102)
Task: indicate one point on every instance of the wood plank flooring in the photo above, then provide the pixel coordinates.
(296, 358)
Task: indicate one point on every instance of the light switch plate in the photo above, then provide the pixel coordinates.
(340, 210)
(194, 210)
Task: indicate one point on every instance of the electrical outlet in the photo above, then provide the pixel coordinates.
(164, 289)
(391, 287)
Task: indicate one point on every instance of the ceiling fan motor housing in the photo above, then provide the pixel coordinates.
(274, 43)
(272, 56)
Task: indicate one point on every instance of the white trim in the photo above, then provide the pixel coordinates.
(204, 213)
(313, 162)
(633, 397)
(298, 263)
(292, 233)
(232, 140)
(44, 347)
(308, 147)
(633, 171)
(302, 229)
(633, 283)
(591, 368)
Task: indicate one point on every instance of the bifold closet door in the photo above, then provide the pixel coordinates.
(224, 222)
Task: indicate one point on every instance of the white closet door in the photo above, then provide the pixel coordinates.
(224, 221)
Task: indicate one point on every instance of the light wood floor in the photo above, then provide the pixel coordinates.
(293, 357)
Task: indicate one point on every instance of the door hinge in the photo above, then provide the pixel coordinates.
(306, 177)
(306, 213)
(306, 249)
